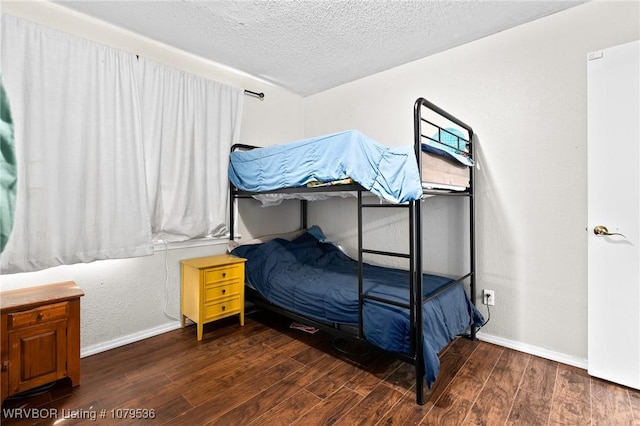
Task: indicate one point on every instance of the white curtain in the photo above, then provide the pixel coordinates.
(189, 125)
(81, 191)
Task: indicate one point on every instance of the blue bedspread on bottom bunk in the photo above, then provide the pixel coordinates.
(317, 280)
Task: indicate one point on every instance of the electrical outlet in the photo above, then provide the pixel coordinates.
(488, 297)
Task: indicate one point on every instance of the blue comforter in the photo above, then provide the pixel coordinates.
(312, 277)
(389, 172)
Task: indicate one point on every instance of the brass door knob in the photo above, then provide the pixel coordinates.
(602, 231)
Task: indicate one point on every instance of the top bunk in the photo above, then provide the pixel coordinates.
(440, 161)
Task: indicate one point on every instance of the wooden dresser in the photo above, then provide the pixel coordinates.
(212, 288)
(39, 336)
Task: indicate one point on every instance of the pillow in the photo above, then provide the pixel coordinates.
(318, 234)
(443, 143)
(453, 139)
(289, 236)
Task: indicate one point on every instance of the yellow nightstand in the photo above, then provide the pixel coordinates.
(212, 289)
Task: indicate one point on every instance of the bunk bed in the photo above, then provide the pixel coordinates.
(305, 277)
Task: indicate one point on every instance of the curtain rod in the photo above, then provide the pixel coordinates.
(255, 94)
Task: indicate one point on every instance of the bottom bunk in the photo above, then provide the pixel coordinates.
(311, 280)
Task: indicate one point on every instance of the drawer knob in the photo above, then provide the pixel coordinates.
(39, 316)
(224, 274)
(223, 307)
(224, 290)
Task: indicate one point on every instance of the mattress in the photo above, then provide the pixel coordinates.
(351, 157)
(312, 277)
(440, 172)
(445, 162)
(389, 172)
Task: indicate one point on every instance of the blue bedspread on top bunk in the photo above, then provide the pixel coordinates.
(389, 172)
(316, 279)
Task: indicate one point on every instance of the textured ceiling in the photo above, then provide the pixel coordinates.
(311, 46)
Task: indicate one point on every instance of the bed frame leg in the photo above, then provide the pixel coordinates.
(419, 384)
(420, 394)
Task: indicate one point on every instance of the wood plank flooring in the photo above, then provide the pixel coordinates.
(268, 374)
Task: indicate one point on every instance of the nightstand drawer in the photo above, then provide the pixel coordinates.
(215, 275)
(228, 307)
(214, 292)
(38, 315)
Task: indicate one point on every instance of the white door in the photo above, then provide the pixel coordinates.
(614, 208)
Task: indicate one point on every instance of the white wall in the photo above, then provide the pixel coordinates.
(524, 93)
(129, 299)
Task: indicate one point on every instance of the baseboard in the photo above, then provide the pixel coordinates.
(125, 340)
(500, 341)
(534, 350)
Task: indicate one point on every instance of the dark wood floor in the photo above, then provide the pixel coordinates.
(268, 374)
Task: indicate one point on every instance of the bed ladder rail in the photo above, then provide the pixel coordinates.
(386, 301)
(386, 253)
(377, 298)
(415, 284)
(415, 280)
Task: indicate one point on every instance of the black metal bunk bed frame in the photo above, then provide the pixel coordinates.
(416, 301)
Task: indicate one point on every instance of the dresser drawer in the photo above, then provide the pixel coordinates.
(38, 315)
(215, 275)
(219, 309)
(214, 292)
